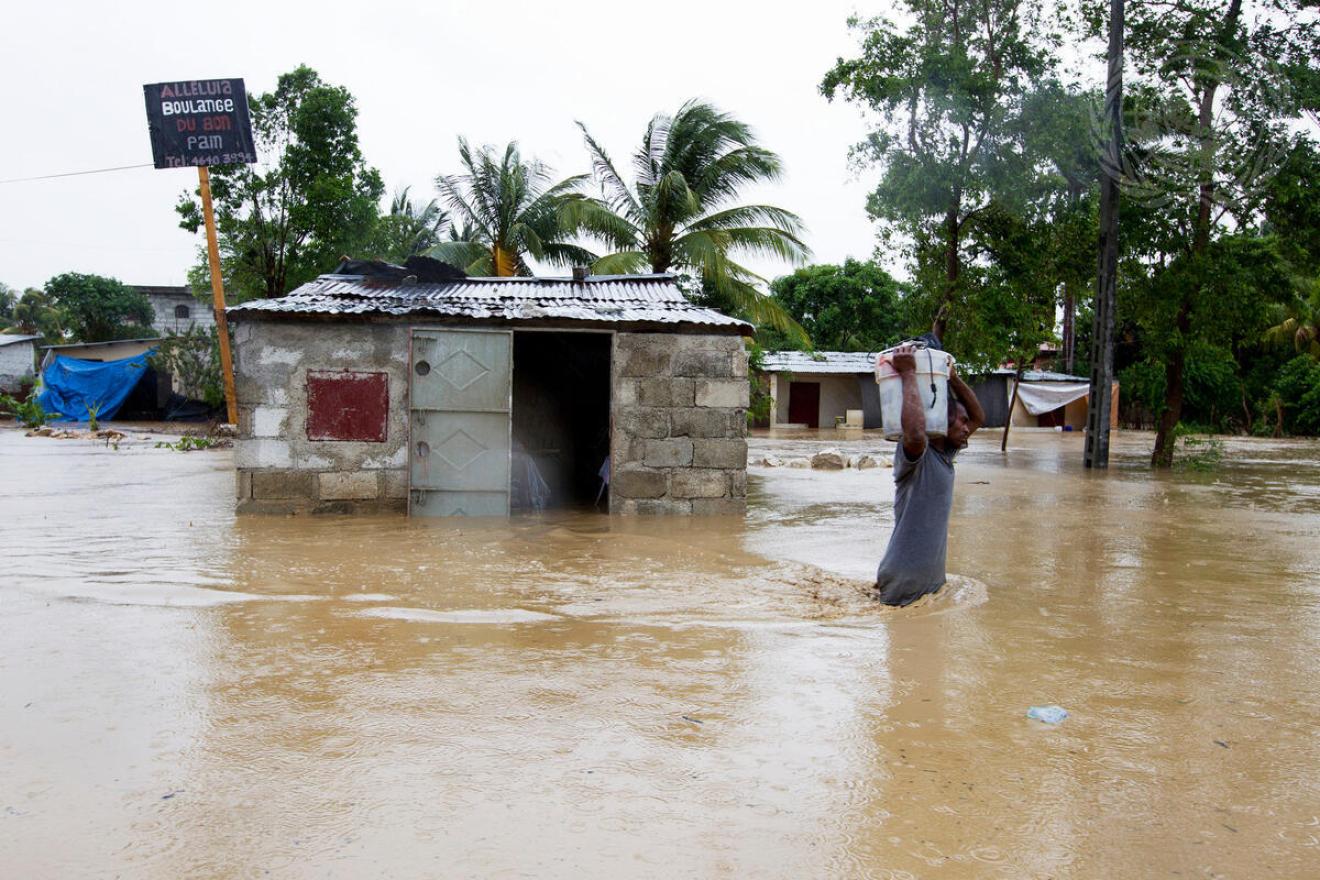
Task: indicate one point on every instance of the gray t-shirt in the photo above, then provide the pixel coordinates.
(923, 496)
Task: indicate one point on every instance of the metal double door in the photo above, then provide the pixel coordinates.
(460, 422)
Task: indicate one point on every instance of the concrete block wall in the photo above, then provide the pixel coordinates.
(16, 363)
(278, 469)
(679, 441)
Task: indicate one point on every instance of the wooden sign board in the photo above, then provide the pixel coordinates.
(199, 122)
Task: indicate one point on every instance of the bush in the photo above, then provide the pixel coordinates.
(193, 358)
(29, 413)
(1298, 391)
(1212, 390)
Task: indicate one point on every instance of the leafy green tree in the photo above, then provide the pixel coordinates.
(946, 79)
(409, 229)
(311, 200)
(8, 299)
(1297, 391)
(35, 314)
(1293, 215)
(506, 209)
(99, 309)
(854, 307)
(681, 212)
(1214, 88)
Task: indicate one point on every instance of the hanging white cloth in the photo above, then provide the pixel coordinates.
(1042, 397)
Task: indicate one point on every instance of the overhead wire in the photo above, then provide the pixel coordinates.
(76, 173)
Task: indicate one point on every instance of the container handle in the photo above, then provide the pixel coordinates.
(930, 367)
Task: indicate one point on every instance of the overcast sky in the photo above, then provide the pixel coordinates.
(422, 74)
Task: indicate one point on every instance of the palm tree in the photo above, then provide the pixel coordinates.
(410, 229)
(507, 209)
(35, 313)
(680, 212)
(1299, 325)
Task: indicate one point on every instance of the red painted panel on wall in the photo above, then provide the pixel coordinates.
(348, 406)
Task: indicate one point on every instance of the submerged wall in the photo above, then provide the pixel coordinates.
(279, 468)
(680, 424)
(678, 438)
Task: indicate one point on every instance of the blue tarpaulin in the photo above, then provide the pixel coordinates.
(69, 386)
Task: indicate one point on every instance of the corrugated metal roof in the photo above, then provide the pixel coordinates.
(649, 299)
(819, 362)
(1042, 375)
(14, 338)
(864, 362)
(70, 345)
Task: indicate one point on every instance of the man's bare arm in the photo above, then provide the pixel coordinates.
(913, 418)
(975, 414)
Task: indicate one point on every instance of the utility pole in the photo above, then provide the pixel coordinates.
(218, 296)
(1101, 399)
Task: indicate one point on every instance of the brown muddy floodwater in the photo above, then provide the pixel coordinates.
(188, 694)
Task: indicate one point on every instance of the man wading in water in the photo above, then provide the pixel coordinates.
(923, 478)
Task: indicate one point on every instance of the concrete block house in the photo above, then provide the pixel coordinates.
(819, 389)
(175, 309)
(374, 391)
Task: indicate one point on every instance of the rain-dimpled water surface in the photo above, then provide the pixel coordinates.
(186, 693)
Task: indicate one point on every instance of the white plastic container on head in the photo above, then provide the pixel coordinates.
(932, 375)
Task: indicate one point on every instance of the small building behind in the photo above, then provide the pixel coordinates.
(826, 389)
(175, 308)
(1046, 399)
(373, 391)
(18, 362)
(822, 389)
(139, 392)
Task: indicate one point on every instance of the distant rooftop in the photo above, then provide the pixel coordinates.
(14, 338)
(103, 343)
(819, 362)
(862, 362)
(163, 290)
(614, 299)
(1041, 375)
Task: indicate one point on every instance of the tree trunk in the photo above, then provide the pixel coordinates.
(952, 265)
(1069, 328)
(504, 263)
(1173, 373)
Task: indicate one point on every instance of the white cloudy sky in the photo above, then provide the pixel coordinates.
(422, 73)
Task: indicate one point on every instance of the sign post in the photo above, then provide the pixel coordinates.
(203, 123)
(218, 296)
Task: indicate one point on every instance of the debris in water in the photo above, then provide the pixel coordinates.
(829, 460)
(1048, 714)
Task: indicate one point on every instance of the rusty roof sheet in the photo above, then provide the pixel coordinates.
(632, 299)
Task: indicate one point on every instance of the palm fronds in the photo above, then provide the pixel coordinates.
(679, 212)
(508, 208)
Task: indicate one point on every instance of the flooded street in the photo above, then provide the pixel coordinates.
(186, 693)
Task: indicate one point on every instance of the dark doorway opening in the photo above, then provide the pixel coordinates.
(804, 403)
(561, 419)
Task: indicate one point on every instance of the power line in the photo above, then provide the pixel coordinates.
(75, 173)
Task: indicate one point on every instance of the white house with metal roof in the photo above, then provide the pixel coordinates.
(823, 388)
(369, 391)
(18, 360)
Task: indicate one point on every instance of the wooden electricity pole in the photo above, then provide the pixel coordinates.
(218, 296)
(1102, 342)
